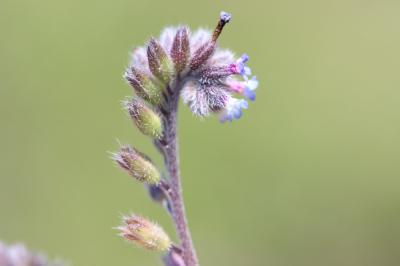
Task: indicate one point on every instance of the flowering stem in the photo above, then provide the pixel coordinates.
(171, 157)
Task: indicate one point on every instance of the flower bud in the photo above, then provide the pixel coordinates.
(144, 233)
(202, 54)
(158, 193)
(146, 120)
(143, 85)
(180, 50)
(137, 165)
(159, 62)
(174, 257)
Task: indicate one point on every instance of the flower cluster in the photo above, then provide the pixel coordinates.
(190, 66)
(206, 75)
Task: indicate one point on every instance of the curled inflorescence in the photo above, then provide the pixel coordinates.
(208, 76)
(191, 67)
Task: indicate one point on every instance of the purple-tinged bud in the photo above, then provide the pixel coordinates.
(180, 50)
(214, 74)
(174, 257)
(146, 120)
(159, 62)
(217, 98)
(137, 165)
(202, 54)
(158, 194)
(144, 234)
(143, 85)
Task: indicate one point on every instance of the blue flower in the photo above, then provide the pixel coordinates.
(233, 110)
(245, 88)
(250, 87)
(241, 65)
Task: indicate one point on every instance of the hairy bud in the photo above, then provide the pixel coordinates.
(137, 165)
(159, 62)
(180, 50)
(144, 233)
(202, 54)
(146, 120)
(143, 85)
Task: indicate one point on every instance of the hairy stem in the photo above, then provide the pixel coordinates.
(171, 157)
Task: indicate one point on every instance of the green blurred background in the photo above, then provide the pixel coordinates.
(309, 175)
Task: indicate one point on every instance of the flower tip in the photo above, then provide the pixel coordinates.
(244, 58)
(225, 17)
(249, 94)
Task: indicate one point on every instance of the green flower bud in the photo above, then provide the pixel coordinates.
(144, 87)
(159, 62)
(144, 233)
(137, 164)
(146, 120)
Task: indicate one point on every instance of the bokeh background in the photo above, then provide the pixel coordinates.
(309, 176)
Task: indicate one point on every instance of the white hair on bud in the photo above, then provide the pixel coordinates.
(167, 38)
(139, 59)
(198, 38)
(195, 98)
(221, 57)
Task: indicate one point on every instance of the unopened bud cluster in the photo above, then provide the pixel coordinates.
(208, 75)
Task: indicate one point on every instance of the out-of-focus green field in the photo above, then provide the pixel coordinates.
(309, 176)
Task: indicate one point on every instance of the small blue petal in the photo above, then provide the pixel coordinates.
(241, 68)
(244, 104)
(234, 110)
(249, 94)
(244, 58)
(238, 113)
(246, 71)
